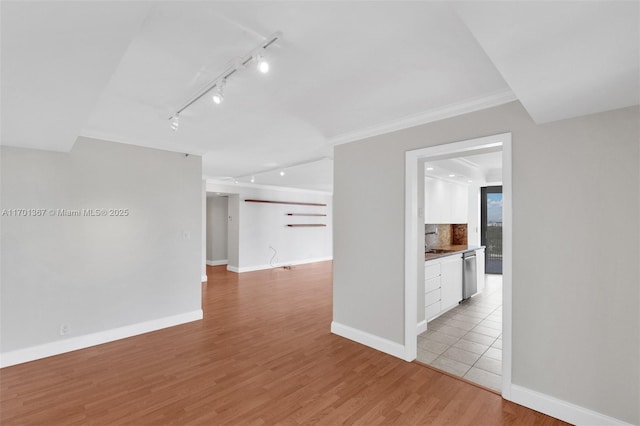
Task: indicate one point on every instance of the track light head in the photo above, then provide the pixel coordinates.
(253, 179)
(261, 63)
(175, 122)
(218, 96)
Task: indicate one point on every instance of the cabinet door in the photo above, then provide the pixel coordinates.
(445, 202)
(460, 204)
(451, 281)
(437, 204)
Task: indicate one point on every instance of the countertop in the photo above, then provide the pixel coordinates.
(457, 249)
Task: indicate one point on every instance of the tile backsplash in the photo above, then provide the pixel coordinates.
(442, 235)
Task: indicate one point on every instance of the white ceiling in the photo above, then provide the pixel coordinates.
(479, 168)
(342, 71)
(562, 59)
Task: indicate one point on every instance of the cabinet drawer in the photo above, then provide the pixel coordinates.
(432, 311)
(432, 297)
(431, 284)
(431, 270)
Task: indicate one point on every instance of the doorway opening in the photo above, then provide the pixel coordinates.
(415, 315)
(217, 229)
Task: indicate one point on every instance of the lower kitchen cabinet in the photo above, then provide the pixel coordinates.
(431, 311)
(443, 285)
(451, 281)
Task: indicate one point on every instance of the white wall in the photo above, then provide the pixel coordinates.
(262, 227)
(576, 319)
(217, 229)
(203, 222)
(233, 231)
(97, 274)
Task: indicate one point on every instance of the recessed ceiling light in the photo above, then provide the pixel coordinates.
(452, 175)
(429, 168)
(253, 179)
(470, 181)
(281, 172)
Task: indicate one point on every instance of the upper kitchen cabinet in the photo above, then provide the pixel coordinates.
(445, 202)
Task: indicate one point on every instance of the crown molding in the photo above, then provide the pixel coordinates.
(429, 116)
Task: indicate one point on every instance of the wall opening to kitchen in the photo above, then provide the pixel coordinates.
(440, 232)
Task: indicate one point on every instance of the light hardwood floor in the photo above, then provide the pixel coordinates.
(262, 355)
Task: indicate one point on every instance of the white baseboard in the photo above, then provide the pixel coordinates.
(560, 409)
(203, 279)
(278, 265)
(217, 262)
(32, 353)
(543, 403)
(367, 339)
(421, 327)
(232, 268)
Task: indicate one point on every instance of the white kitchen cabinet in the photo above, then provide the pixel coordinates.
(431, 269)
(445, 202)
(432, 297)
(432, 289)
(480, 269)
(459, 204)
(442, 285)
(451, 281)
(432, 284)
(432, 311)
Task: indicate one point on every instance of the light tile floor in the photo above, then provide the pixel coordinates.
(467, 340)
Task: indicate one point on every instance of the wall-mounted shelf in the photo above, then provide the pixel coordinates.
(301, 225)
(285, 202)
(306, 214)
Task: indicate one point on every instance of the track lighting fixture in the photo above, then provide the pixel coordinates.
(261, 63)
(253, 179)
(175, 122)
(256, 55)
(218, 96)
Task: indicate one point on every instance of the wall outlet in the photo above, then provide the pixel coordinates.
(64, 329)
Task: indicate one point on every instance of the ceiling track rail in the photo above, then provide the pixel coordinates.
(240, 64)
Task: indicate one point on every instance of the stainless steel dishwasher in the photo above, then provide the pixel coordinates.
(469, 275)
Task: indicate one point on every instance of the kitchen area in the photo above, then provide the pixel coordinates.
(461, 332)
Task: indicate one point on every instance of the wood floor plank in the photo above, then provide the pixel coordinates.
(262, 355)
